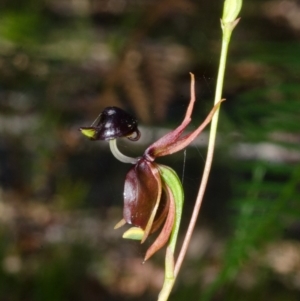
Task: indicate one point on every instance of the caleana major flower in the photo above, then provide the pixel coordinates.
(153, 194)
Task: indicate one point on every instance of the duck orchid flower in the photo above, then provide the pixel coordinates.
(153, 194)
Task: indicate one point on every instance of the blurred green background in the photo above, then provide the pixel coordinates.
(62, 62)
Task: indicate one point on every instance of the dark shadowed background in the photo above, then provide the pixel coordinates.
(62, 62)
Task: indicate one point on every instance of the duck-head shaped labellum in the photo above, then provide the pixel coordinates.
(112, 123)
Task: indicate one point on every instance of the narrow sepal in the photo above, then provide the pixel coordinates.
(165, 233)
(121, 223)
(173, 141)
(184, 141)
(166, 142)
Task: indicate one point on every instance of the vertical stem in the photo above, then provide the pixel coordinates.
(228, 22)
(227, 30)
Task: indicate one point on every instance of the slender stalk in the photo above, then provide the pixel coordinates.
(121, 157)
(227, 30)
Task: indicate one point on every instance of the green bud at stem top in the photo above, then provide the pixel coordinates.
(231, 10)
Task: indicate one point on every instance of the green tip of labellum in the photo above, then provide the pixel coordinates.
(134, 233)
(90, 133)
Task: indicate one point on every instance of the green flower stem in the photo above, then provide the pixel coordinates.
(227, 29)
(171, 180)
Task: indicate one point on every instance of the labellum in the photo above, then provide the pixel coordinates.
(112, 123)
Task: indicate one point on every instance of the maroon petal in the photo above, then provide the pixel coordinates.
(165, 143)
(142, 193)
(165, 233)
(173, 142)
(162, 211)
(181, 143)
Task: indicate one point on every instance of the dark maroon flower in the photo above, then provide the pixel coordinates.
(148, 198)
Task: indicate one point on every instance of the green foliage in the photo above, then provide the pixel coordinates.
(264, 209)
(53, 281)
(21, 28)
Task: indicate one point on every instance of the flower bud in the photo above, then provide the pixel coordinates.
(231, 10)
